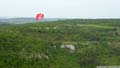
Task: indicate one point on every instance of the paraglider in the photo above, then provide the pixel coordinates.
(39, 16)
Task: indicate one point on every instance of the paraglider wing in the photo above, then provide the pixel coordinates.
(39, 16)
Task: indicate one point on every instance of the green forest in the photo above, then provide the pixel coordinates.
(73, 43)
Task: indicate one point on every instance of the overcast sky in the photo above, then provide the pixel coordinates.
(61, 8)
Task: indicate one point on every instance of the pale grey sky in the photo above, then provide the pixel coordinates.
(61, 8)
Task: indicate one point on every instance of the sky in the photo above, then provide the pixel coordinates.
(61, 8)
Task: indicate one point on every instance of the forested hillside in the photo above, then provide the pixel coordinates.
(84, 43)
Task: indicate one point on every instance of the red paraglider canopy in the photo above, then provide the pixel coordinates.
(39, 16)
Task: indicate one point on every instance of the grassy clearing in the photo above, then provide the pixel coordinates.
(95, 26)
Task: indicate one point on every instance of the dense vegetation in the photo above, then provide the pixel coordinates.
(37, 45)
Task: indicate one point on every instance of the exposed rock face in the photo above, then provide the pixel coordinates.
(40, 56)
(47, 28)
(55, 27)
(70, 47)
